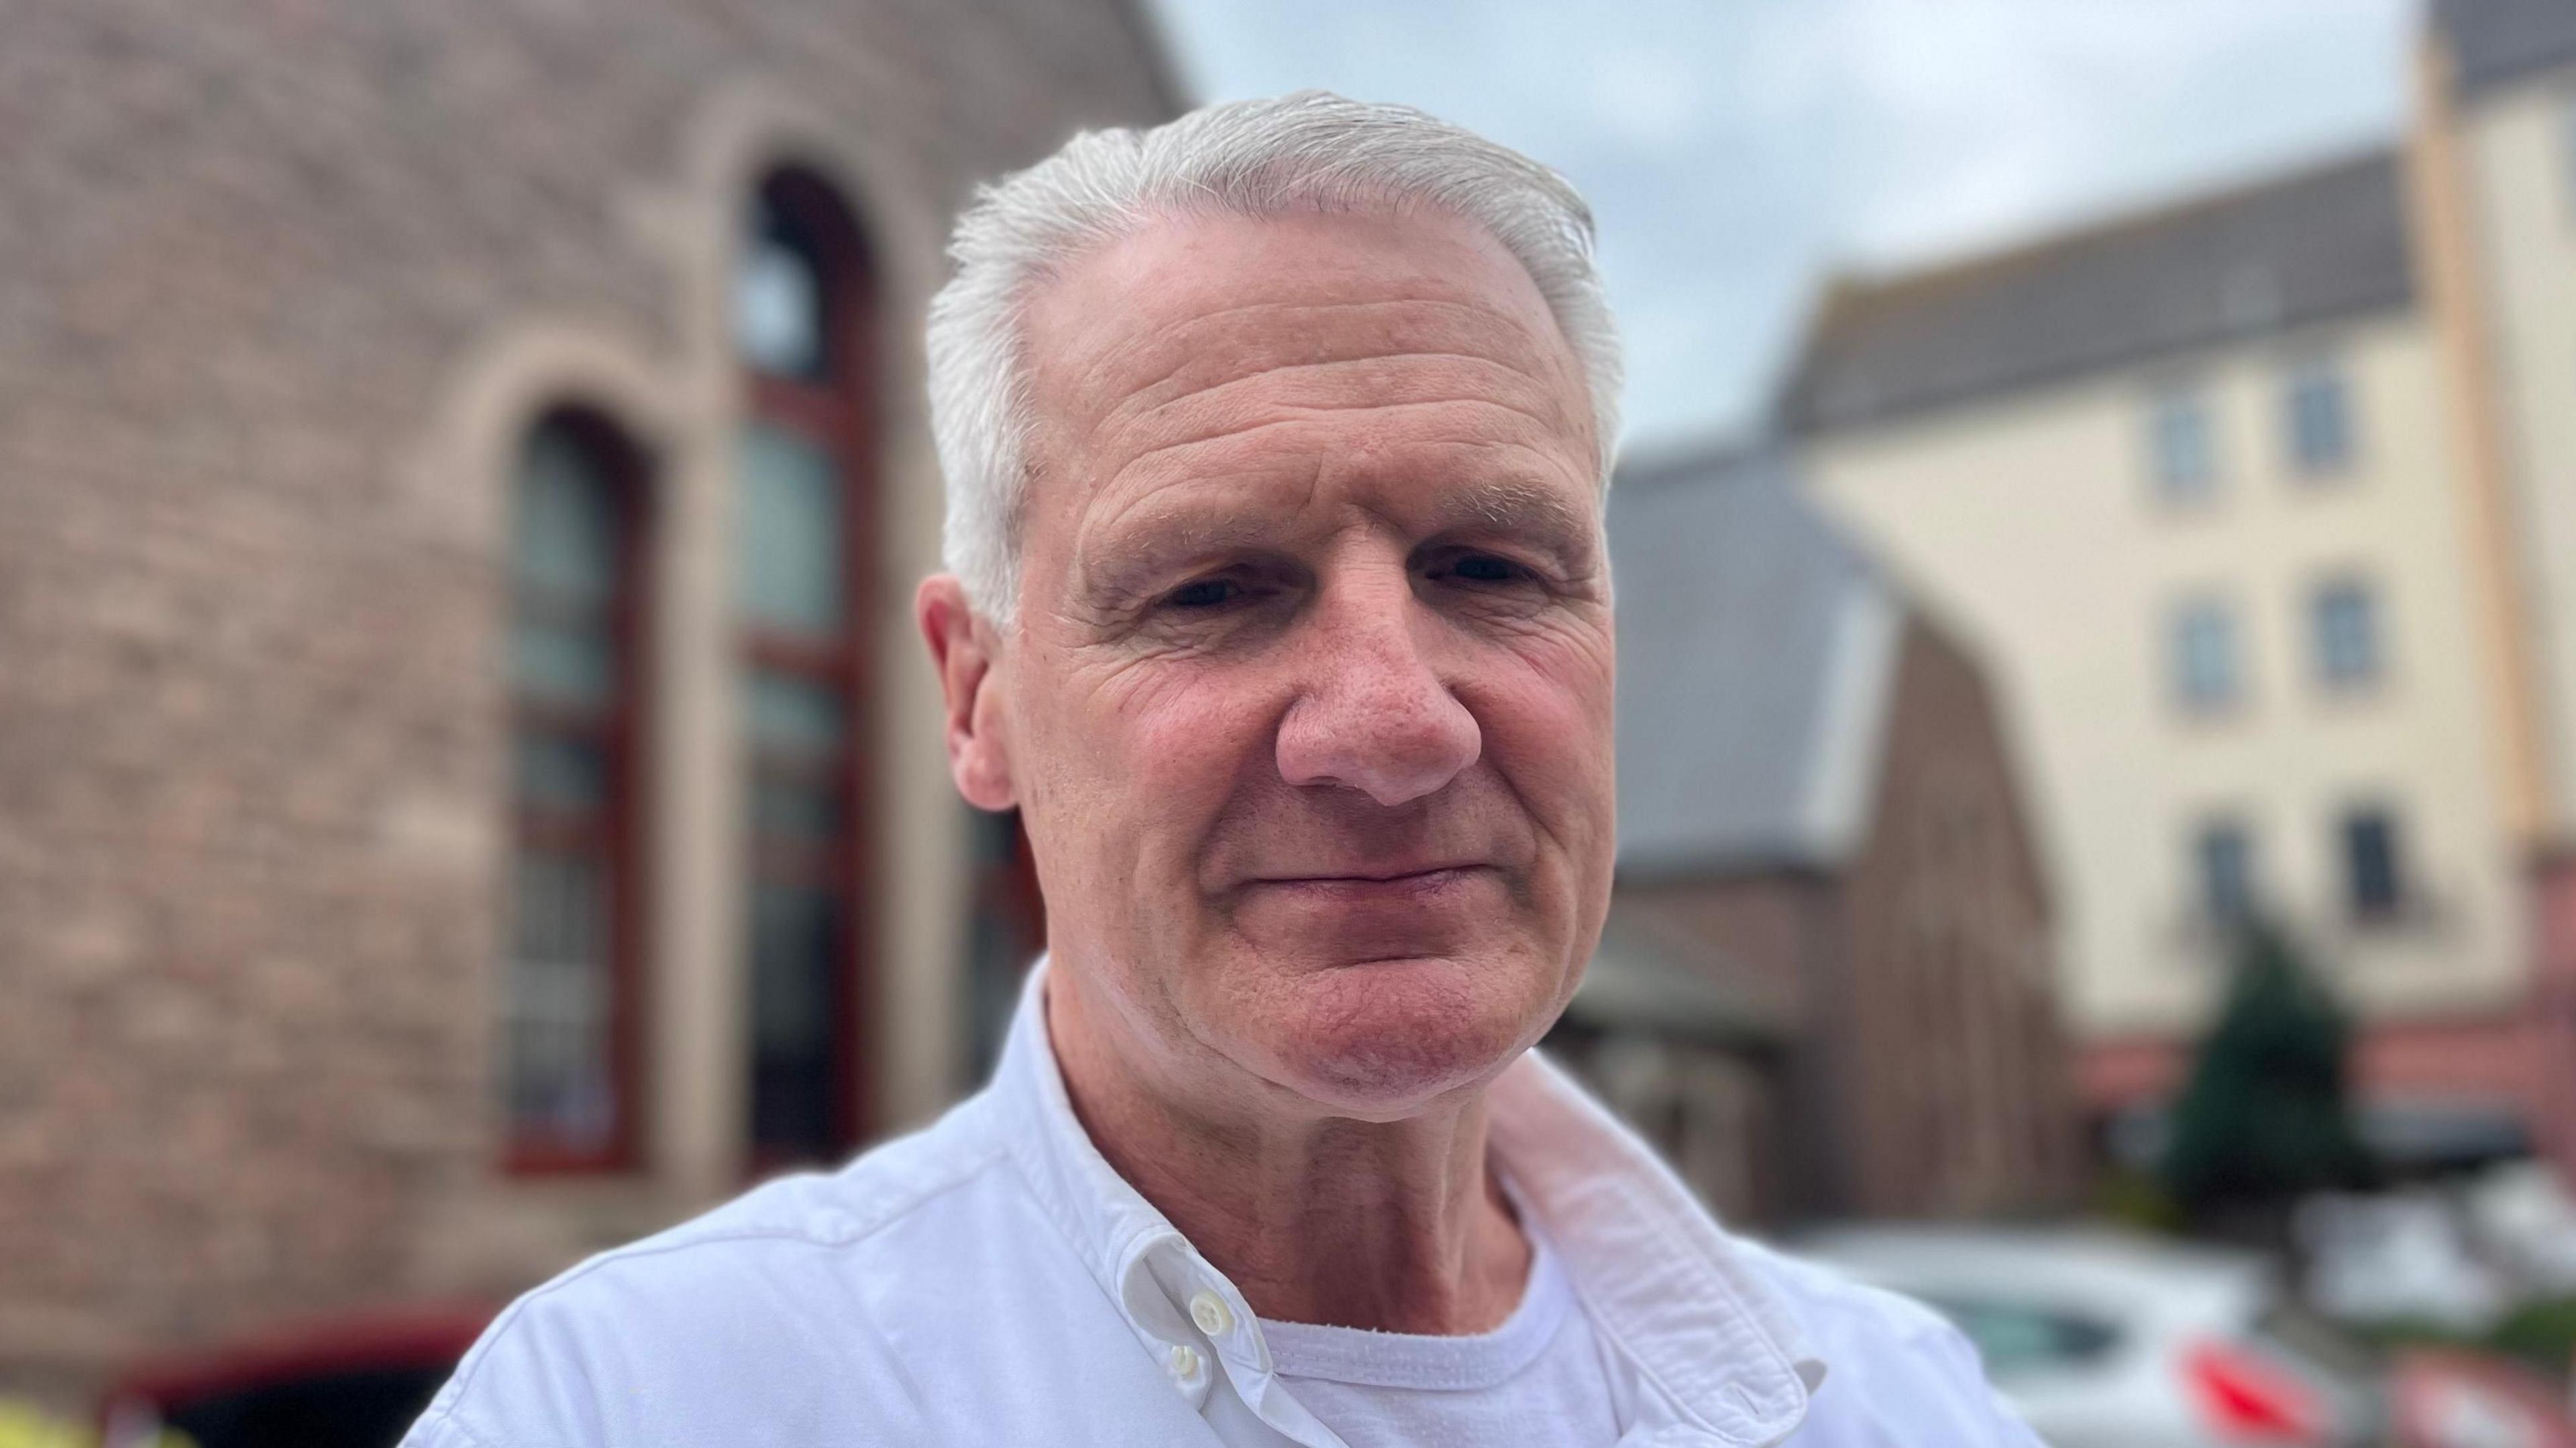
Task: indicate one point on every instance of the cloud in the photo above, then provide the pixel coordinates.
(1735, 150)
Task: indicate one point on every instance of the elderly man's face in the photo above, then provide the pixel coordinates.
(1309, 706)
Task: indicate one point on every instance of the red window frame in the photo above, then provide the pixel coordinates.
(614, 834)
(833, 412)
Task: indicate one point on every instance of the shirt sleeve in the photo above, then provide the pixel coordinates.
(522, 1385)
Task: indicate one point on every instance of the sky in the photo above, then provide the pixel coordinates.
(1738, 152)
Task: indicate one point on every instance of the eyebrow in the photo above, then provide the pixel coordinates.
(1154, 540)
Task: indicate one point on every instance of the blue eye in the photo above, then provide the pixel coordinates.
(1484, 568)
(1203, 593)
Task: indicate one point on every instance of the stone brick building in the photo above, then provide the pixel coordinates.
(461, 481)
(1827, 985)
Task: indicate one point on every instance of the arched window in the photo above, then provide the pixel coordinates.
(804, 515)
(575, 957)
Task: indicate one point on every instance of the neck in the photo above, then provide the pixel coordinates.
(1393, 1225)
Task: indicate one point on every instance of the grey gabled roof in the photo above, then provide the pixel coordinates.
(2318, 245)
(1756, 648)
(2496, 41)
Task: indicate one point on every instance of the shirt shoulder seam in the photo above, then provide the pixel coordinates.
(868, 1225)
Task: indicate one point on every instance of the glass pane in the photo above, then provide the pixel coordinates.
(563, 665)
(560, 1088)
(795, 715)
(558, 773)
(2226, 873)
(795, 957)
(2205, 656)
(2185, 465)
(789, 559)
(565, 534)
(792, 810)
(778, 296)
(778, 308)
(2320, 425)
(2370, 853)
(2347, 635)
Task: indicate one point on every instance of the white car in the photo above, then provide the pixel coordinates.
(2111, 1341)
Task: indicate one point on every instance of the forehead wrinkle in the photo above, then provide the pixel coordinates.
(1248, 436)
(1385, 380)
(1185, 345)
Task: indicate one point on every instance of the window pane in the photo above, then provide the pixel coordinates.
(2345, 622)
(565, 535)
(2185, 459)
(795, 715)
(2204, 656)
(2320, 420)
(563, 666)
(789, 560)
(795, 810)
(778, 300)
(2226, 861)
(2372, 882)
(559, 773)
(796, 945)
(560, 1088)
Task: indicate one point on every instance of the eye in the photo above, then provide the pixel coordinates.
(1484, 568)
(1203, 593)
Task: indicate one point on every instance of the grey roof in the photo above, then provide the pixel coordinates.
(2319, 245)
(2496, 41)
(1755, 649)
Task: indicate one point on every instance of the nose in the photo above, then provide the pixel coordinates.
(1375, 716)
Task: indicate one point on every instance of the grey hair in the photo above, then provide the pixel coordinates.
(1261, 157)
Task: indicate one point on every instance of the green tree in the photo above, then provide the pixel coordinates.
(2264, 1118)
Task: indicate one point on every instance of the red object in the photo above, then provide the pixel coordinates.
(2464, 1400)
(2247, 1398)
(412, 1337)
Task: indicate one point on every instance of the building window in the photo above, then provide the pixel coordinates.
(570, 1002)
(803, 535)
(2343, 621)
(2317, 403)
(2184, 448)
(2206, 676)
(2374, 878)
(2223, 857)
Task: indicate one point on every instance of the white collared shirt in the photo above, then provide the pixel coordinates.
(991, 1281)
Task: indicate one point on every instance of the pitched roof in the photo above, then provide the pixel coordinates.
(2496, 41)
(2306, 248)
(1756, 649)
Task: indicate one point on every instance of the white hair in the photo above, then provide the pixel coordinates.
(1306, 151)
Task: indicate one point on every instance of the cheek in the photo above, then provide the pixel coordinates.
(1545, 704)
(1159, 743)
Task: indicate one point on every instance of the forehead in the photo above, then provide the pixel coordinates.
(1198, 332)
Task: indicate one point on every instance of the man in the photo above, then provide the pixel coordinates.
(1276, 441)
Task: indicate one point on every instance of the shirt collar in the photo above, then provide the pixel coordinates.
(1661, 1283)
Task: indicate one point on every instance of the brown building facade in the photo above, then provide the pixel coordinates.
(467, 793)
(1827, 985)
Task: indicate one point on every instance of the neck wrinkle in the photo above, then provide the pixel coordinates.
(1397, 1226)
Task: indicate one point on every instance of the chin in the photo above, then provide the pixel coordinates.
(1383, 1039)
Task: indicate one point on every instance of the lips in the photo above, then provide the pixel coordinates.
(1426, 882)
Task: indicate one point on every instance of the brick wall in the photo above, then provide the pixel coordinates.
(250, 723)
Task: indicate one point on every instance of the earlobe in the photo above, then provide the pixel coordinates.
(966, 651)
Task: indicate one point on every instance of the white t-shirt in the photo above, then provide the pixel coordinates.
(1538, 1378)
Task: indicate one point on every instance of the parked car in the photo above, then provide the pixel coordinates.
(2110, 1341)
(355, 1381)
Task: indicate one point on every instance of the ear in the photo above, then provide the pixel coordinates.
(967, 652)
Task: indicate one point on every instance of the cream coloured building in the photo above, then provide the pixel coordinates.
(2253, 515)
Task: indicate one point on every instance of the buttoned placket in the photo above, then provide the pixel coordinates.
(1193, 1323)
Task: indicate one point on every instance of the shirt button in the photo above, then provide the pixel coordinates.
(1185, 1360)
(1211, 1314)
